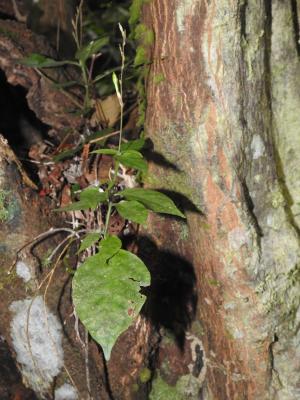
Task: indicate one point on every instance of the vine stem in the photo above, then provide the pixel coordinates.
(122, 52)
(107, 218)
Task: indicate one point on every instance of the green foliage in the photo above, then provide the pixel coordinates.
(39, 61)
(106, 287)
(133, 211)
(89, 240)
(92, 48)
(106, 295)
(153, 200)
(107, 284)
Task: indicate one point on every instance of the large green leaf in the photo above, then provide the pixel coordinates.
(35, 60)
(107, 295)
(132, 159)
(153, 200)
(133, 210)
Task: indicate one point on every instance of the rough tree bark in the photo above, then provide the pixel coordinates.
(223, 106)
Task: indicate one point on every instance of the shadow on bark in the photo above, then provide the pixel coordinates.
(172, 297)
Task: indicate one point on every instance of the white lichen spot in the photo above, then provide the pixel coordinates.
(229, 306)
(257, 147)
(184, 8)
(66, 392)
(237, 238)
(23, 271)
(37, 340)
(257, 178)
(237, 334)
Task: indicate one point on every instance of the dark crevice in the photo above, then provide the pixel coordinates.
(243, 8)
(296, 25)
(250, 207)
(267, 54)
(286, 193)
(18, 124)
(273, 372)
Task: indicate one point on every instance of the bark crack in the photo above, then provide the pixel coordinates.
(295, 18)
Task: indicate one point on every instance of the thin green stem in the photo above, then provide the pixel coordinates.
(122, 52)
(109, 210)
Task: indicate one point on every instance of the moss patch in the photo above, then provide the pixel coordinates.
(159, 78)
(8, 206)
(187, 387)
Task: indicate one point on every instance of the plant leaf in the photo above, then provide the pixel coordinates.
(35, 60)
(89, 198)
(133, 210)
(93, 197)
(153, 200)
(76, 206)
(110, 152)
(88, 241)
(132, 159)
(137, 144)
(109, 246)
(90, 49)
(107, 295)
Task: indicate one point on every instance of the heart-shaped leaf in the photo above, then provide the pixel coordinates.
(107, 296)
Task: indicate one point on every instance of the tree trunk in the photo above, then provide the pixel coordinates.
(223, 110)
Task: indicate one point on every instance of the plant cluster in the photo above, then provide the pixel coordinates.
(108, 278)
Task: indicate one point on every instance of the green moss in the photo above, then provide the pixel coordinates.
(143, 34)
(162, 391)
(141, 56)
(187, 387)
(214, 282)
(145, 37)
(8, 206)
(9, 34)
(135, 11)
(145, 375)
(158, 79)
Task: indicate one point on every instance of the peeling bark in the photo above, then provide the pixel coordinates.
(226, 116)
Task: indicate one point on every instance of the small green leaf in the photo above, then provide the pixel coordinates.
(153, 200)
(132, 159)
(132, 210)
(35, 60)
(117, 89)
(93, 197)
(107, 295)
(110, 152)
(92, 48)
(89, 198)
(99, 134)
(76, 206)
(88, 241)
(109, 246)
(65, 154)
(137, 144)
